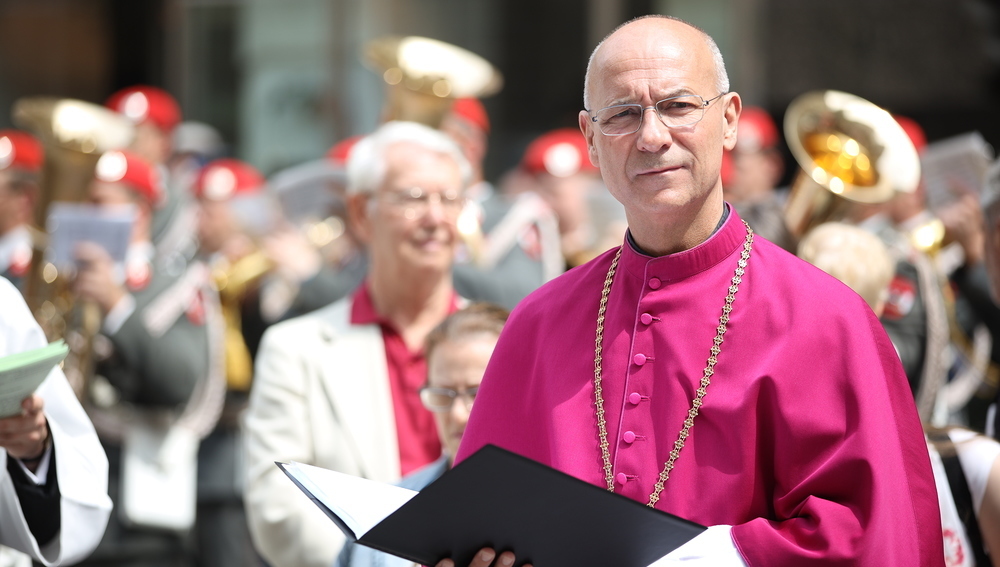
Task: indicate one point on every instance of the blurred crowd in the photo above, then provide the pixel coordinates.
(341, 312)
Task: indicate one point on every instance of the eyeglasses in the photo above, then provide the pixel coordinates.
(442, 399)
(415, 201)
(623, 119)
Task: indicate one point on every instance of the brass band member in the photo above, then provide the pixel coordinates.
(159, 385)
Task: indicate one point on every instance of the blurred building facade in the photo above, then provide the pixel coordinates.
(283, 79)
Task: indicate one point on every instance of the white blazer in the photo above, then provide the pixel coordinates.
(81, 465)
(320, 396)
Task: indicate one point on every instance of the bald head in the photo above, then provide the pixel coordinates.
(618, 43)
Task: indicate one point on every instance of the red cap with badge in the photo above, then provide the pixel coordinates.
(125, 167)
(225, 178)
(471, 110)
(142, 103)
(560, 153)
(20, 150)
(914, 131)
(756, 130)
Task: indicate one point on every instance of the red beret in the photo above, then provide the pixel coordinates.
(472, 111)
(560, 153)
(225, 178)
(340, 151)
(756, 131)
(914, 131)
(20, 150)
(127, 168)
(141, 103)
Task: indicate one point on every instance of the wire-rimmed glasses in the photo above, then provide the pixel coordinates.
(674, 112)
(416, 201)
(442, 399)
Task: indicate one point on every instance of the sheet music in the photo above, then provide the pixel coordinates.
(359, 502)
(71, 223)
(953, 166)
(22, 373)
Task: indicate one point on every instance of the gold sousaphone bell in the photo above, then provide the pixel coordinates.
(849, 151)
(426, 75)
(74, 134)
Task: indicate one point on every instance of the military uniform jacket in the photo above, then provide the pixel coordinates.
(165, 361)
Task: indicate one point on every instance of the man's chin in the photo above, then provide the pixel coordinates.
(431, 261)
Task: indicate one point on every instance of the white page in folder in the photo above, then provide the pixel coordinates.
(359, 502)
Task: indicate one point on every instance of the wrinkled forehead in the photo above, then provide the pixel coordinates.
(653, 57)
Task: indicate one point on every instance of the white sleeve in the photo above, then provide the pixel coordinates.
(712, 548)
(977, 455)
(81, 465)
(41, 471)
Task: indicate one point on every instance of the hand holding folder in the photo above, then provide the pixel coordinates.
(23, 372)
(500, 500)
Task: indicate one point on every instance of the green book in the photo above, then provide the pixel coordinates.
(23, 372)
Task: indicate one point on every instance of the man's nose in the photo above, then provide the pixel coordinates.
(460, 411)
(433, 211)
(653, 134)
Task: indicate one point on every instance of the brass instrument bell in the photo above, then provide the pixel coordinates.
(849, 150)
(74, 134)
(425, 75)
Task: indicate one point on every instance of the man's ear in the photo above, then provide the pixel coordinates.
(359, 217)
(587, 127)
(731, 117)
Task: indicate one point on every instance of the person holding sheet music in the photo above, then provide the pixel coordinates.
(54, 500)
(156, 114)
(159, 367)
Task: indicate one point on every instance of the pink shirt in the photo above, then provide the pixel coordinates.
(415, 428)
(808, 442)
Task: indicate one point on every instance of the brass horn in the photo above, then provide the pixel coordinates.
(849, 151)
(74, 134)
(426, 75)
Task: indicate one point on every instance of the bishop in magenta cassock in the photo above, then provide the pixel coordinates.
(807, 444)
(740, 387)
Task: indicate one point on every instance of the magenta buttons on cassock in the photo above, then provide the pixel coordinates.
(634, 398)
(646, 318)
(639, 359)
(621, 478)
(654, 283)
(629, 437)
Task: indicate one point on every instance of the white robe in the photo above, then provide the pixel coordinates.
(81, 465)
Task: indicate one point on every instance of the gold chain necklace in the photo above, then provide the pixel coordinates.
(706, 378)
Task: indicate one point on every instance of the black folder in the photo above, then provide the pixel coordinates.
(499, 499)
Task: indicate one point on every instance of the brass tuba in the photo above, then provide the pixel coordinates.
(426, 75)
(74, 134)
(849, 151)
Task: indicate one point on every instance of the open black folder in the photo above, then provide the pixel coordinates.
(499, 499)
